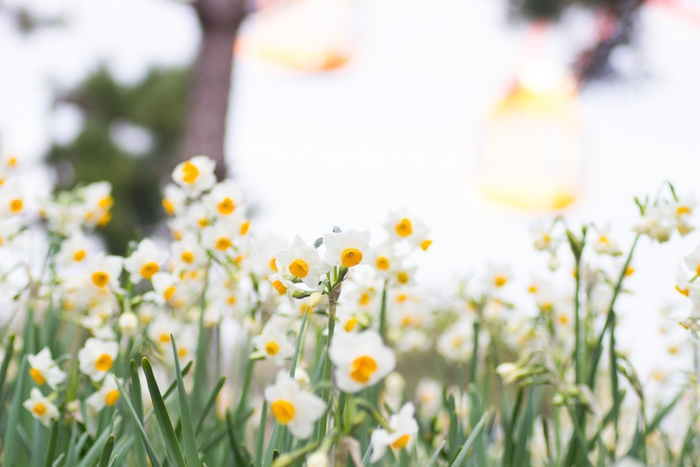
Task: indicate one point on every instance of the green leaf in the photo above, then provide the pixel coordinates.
(94, 452)
(9, 352)
(464, 450)
(107, 451)
(260, 436)
(188, 437)
(436, 454)
(661, 414)
(53, 439)
(139, 425)
(139, 448)
(10, 442)
(526, 428)
(210, 403)
(166, 427)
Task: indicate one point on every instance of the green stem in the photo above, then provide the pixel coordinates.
(382, 312)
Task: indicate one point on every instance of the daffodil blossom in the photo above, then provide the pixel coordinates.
(195, 175)
(348, 248)
(44, 370)
(302, 261)
(145, 261)
(97, 357)
(41, 407)
(273, 343)
(360, 359)
(404, 429)
(293, 408)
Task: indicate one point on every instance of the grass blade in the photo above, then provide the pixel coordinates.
(166, 427)
(210, 403)
(188, 437)
(10, 442)
(461, 457)
(139, 449)
(107, 451)
(139, 425)
(436, 454)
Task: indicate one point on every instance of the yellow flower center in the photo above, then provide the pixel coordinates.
(350, 324)
(351, 257)
(79, 255)
(425, 244)
(404, 228)
(12, 161)
(168, 206)
(223, 244)
(500, 281)
(168, 294)
(299, 268)
(149, 269)
(382, 263)
(100, 278)
(226, 207)
(682, 210)
(685, 292)
(202, 222)
(697, 270)
(401, 298)
(271, 348)
(532, 289)
(273, 264)
(231, 300)
(401, 442)
(37, 376)
(305, 308)
(629, 271)
(362, 369)
(244, 227)
(112, 397)
(283, 411)
(181, 352)
(39, 409)
(187, 257)
(164, 337)
(364, 299)
(402, 277)
(603, 239)
(16, 205)
(190, 172)
(104, 362)
(563, 319)
(106, 202)
(279, 287)
(673, 350)
(104, 219)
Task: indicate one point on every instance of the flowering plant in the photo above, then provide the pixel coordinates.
(224, 347)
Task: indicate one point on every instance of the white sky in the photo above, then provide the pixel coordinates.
(391, 129)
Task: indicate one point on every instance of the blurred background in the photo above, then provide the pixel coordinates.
(479, 117)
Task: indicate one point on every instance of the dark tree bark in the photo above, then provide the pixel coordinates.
(210, 83)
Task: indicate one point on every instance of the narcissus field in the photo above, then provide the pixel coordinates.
(224, 346)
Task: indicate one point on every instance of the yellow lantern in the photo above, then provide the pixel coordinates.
(304, 35)
(529, 154)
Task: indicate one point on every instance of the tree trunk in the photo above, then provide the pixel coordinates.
(210, 83)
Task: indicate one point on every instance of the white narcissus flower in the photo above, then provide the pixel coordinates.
(8, 229)
(292, 407)
(273, 343)
(360, 359)
(404, 276)
(11, 201)
(386, 260)
(41, 408)
(103, 271)
(224, 199)
(145, 261)
(604, 245)
(162, 327)
(218, 239)
(401, 226)
(44, 370)
(164, 287)
(498, 276)
(682, 281)
(73, 250)
(693, 261)
(173, 199)
(457, 342)
(263, 255)
(97, 358)
(429, 396)
(543, 238)
(187, 253)
(403, 432)
(97, 202)
(107, 396)
(195, 175)
(280, 284)
(347, 248)
(684, 207)
(303, 261)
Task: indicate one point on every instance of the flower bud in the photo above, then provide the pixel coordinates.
(128, 322)
(317, 459)
(315, 299)
(394, 383)
(553, 263)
